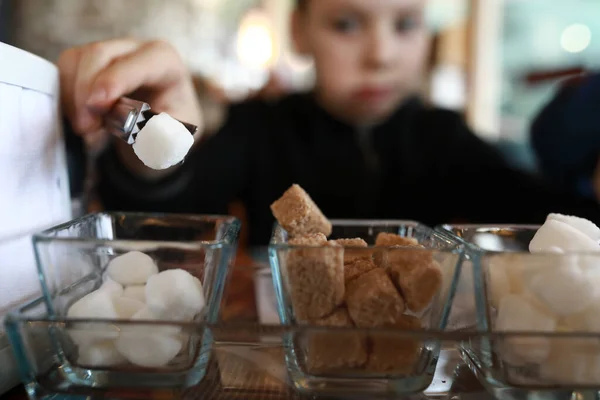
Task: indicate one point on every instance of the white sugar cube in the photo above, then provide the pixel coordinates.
(512, 265)
(133, 268)
(85, 334)
(567, 363)
(100, 354)
(151, 349)
(505, 351)
(149, 346)
(114, 288)
(136, 292)
(584, 226)
(590, 266)
(555, 234)
(592, 373)
(163, 142)
(565, 290)
(587, 321)
(127, 308)
(516, 314)
(498, 283)
(174, 295)
(146, 315)
(97, 304)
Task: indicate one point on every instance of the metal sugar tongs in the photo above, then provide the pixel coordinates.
(128, 117)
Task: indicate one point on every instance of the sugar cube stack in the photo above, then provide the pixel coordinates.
(134, 289)
(162, 142)
(549, 295)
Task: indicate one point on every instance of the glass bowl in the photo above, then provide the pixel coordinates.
(339, 361)
(89, 353)
(538, 310)
(546, 306)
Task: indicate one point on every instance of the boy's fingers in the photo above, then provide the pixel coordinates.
(154, 66)
(94, 58)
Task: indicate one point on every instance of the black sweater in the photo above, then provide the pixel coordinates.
(421, 164)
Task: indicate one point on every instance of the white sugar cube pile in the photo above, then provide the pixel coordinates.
(133, 289)
(550, 295)
(162, 142)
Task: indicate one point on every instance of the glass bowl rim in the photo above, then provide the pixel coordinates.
(229, 240)
(447, 236)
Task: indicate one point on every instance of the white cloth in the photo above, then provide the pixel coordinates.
(34, 190)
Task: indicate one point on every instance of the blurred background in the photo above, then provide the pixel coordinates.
(498, 62)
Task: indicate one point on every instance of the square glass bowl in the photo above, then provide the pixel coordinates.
(539, 313)
(542, 311)
(72, 259)
(341, 360)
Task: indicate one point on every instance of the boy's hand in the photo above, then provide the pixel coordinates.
(94, 76)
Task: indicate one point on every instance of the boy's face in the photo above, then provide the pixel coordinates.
(368, 54)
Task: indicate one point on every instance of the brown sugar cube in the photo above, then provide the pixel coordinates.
(395, 257)
(357, 268)
(356, 242)
(373, 300)
(315, 278)
(391, 239)
(353, 251)
(331, 351)
(311, 239)
(339, 318)
(298, 214)
(307, 244)
(398, 354)
(420, 285)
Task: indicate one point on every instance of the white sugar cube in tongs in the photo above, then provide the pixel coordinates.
(159, 140)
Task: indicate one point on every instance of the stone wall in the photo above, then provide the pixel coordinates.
(196, 27)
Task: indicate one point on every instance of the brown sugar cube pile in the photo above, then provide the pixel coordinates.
(420, 285)
(298, 214)
(391, 239)
(373, 300)
(352, 251)
(413, 271)
(357, 268)
(395, 353)
(331, 351)
(356, 260)
(315, 277)
(399, 259)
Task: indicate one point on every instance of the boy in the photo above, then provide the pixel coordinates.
(361, 144)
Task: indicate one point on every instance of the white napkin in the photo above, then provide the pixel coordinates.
(34, 193)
